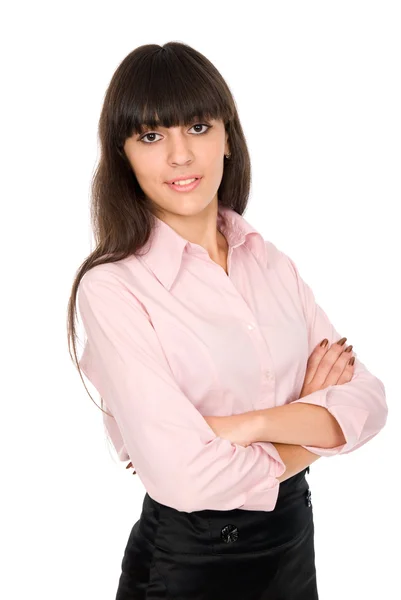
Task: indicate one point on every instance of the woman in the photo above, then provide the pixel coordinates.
(205, 344)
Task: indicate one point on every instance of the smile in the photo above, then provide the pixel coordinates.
(186, 185)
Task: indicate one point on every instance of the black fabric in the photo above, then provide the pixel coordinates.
(223, 555)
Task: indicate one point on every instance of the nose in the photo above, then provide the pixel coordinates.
(179, 149)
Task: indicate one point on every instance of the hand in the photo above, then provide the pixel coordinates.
(235, 428)
(328, 366)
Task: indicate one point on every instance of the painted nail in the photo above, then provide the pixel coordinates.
(342, 341)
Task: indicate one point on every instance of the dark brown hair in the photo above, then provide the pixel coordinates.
(167, 85)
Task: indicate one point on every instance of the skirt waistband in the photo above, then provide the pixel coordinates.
(229, 531)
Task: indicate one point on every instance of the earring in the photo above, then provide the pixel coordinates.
(228, 155)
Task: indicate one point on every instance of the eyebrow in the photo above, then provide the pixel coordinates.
(159, 126)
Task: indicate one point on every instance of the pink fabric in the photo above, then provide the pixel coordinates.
(171, 337)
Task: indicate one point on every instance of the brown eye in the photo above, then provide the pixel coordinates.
(201, 125)
(146, 135)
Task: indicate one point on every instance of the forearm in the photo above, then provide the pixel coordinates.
(296, 458)
(297, 424)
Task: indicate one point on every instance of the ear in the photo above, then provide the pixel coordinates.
(226, 147)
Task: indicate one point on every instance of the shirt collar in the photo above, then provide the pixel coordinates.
(166, 246)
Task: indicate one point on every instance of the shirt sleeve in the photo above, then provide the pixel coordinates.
(109, 422)
(359, 405)
(176, 454)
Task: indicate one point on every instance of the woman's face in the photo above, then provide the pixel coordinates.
(162, 154)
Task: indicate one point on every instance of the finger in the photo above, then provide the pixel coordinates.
(347, 374)
(314, 360)
(327, 362)
(338, 367)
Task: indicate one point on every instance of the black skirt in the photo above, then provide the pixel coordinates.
(223, 555)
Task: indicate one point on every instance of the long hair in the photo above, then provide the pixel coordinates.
(154, 85)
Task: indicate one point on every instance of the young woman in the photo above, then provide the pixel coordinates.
(222, 378)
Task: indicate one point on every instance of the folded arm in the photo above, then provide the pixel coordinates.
(293, 423)
(339, 418)
(177, 456)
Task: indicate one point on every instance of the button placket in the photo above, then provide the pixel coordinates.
(268, 375)
(267, 388)
(242, 311)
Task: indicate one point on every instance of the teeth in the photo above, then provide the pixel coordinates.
(184, 181)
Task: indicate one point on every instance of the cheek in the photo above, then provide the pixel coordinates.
(214, 162)
(147, 173)
(214, 153)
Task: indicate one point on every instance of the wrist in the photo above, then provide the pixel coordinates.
(258, 426)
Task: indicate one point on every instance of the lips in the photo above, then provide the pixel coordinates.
(182, 177)
(185, 188)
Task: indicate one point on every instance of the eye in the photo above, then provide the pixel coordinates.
(142, 139)
(201, 125)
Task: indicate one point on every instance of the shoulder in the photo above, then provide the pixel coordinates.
(282, 265)
(274, 255)
(120, 280)
(122, 272)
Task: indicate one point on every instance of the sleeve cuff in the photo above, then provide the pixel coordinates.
(277, 466)
(265, 500)
(351, 419)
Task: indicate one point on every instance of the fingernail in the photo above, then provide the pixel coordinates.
(351, 360)
(342, 341)
(348, 349)
(324, 343)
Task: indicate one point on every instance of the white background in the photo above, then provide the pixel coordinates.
(317, 86)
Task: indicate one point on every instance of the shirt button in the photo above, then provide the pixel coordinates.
(251, 326)
(229, 533)
(269, 375)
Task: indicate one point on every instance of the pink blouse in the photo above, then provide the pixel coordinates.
(171, 337)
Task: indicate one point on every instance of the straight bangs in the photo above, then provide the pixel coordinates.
(166, 89)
